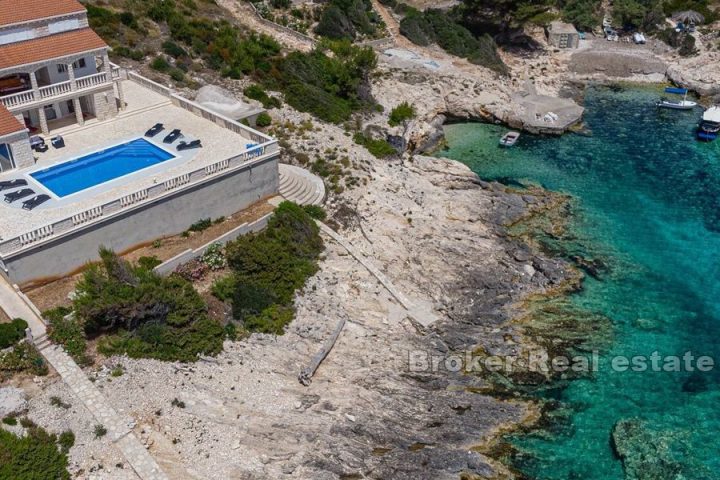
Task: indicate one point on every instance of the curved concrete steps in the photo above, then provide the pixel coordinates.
(300, 186)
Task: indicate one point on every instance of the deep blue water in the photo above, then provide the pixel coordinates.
(647, 200)
(99, 167)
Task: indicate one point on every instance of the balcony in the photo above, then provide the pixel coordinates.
(57, 90)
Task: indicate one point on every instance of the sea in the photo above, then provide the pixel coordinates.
(646, 201)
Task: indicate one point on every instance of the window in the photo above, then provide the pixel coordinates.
(6, 157)
(79, 64)
(61, 68)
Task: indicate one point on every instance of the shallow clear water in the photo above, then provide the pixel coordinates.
(648, 200)
(99, 167)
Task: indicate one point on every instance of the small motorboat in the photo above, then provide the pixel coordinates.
(709, 128)
(509, 139)
(683, 104)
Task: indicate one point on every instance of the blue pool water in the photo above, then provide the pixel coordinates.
(100, 167)
(647, 202)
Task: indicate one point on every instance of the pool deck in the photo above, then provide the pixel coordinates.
(144, 108)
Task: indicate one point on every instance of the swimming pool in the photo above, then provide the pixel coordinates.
(100, 167)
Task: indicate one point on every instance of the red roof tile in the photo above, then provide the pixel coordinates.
(46, 48)
(8, 123)
(19, 11)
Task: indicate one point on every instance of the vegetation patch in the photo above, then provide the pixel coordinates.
(23, 357)
(11, 333)
(347, 19)
(36, 455)
(138, 313)
(268, 267)
(401, 114)
(377, 147)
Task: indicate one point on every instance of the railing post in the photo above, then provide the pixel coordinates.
(71, 76)
(35, 87)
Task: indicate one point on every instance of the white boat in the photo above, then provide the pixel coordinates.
(709, 128)
(683, 104)
(509, 139)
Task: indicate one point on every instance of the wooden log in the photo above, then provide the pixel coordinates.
(306, 374)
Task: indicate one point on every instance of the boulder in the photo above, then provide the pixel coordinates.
(224, 102)
(12, 401)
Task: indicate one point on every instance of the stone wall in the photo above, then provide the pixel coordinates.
(216, 197)
(105, 104)
(20, 145)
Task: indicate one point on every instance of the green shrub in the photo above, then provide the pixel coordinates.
(268, 268)
(99, 431)
(66, 440)
(32, 456)
(177, 403)
(132, 54)
(256, 92)
(377, 147)
(173, 49)
(263, 120)
(23, 357)
(146, 315)
(401, 113)
(68, 333)
(10, 420)
(11, 333)
(200, 225)
(177, 74)
(214, 257)
(316, 212)
(160, 64)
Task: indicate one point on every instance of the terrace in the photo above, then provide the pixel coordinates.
(224, 147)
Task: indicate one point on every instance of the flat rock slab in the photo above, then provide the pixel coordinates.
(12, 401)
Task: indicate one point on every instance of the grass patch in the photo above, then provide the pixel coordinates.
(377, 147)
(11, 333)
(401, 114)
(23, 357)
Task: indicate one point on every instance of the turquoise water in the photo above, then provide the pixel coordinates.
(99, 167)
(648, 203)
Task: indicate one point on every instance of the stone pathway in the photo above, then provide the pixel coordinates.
(119, 430)
(418, 312)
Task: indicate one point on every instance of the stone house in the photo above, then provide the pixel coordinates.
(563, 35)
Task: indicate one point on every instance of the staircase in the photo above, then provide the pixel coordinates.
(300, 186)
(42, 342)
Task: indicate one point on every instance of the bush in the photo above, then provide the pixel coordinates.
(214, 257)
(263, 120)
(68, 333)
(173, 49)
(316, 212)
(160, 64)
(10, 420)
(32, 456)
(378, 148)
(11, 333)
(256, 92)
(200, 225)
(150, 316)
(66, 440)
(99, 431)
(23, 357)
(401, 113)
(177, 74)
(269, 267)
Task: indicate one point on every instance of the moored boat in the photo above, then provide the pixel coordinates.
(509, 139)
(709, 127)
(683, 104)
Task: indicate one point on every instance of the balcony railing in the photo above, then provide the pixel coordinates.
(17, 99)
(57, 89)
(91, 80)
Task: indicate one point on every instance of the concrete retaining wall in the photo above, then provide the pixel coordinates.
(169, 266)
(172, 214)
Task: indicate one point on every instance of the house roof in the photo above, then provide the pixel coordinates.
(52, 46)
(14, 11)
(8, 123)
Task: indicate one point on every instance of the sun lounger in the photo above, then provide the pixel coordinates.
(12, 196)
(188, 145)
(35, 201)
(157, 128)
(58, 142)
(172, 136)
(8, 184)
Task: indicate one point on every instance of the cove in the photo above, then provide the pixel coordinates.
(646, 201)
